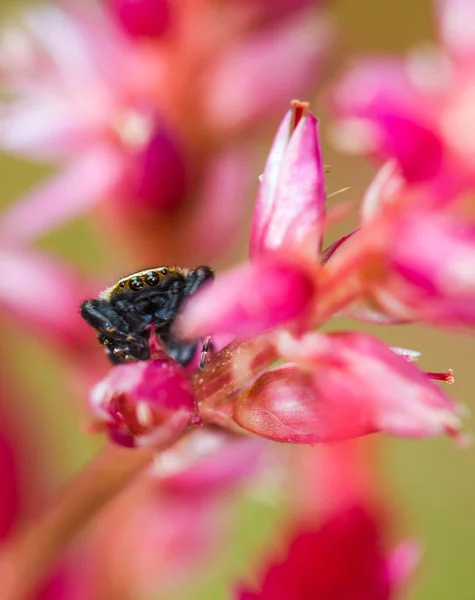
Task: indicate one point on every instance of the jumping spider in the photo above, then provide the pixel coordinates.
(124, 312)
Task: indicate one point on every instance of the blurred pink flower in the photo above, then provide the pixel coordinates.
(336, 546)
(418, 109)
(153, 140)
(418, 258)
(334, 386)
(42, 295)
(344, 559)
(428, 261)
(175, 518)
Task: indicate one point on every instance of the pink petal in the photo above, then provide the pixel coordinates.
(330, 251)
(367, 385)
(345, 386)
(45, 128)
(246, 81)
(209, 461)
(145, 403)
(265, 199)
(66, 196)
(290, 208)
(284, 405)
(456, 21)
(250, 300)
(58, 294)
(431, 260)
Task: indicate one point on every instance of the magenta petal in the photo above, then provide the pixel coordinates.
(160, 180)
(394, 118)
(143, 18)
(148, 403)
(250, 300)
(290, 209)
(61, 199)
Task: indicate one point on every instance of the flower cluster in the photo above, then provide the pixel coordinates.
(331, 386)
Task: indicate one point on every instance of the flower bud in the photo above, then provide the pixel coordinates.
(148, 403)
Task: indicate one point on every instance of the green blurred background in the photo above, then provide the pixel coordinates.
(431, 482)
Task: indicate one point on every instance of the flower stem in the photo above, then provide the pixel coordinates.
(27, 555)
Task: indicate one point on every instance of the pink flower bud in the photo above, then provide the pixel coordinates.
(147, 403)
(290, 207)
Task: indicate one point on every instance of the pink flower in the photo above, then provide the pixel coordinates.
(419, 109)
(344, 559)
(333, 386)
(153, 142)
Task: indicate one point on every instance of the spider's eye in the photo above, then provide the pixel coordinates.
(136, 284)
(152, 278)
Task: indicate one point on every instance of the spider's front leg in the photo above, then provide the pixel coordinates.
(207, 351)
(100, 315)
(194, 281)
(197, 278)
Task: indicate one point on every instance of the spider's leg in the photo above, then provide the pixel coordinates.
(196, 279)
(207, 351)
(100, 315)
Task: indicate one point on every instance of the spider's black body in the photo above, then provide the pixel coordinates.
(123, 313)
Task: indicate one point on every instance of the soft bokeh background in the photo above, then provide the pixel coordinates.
(431, 482)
